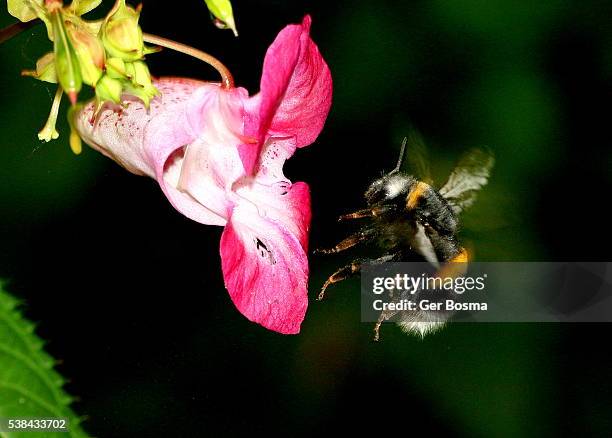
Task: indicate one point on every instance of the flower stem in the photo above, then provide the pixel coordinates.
(15, 29)
(226, 77)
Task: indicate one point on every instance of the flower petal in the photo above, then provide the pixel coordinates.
(155, 142)
(264, 263)
(295, 96)
(274, 195)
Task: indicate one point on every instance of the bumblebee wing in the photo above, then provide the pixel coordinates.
(470, 175)
(424, 247)
(417, 156)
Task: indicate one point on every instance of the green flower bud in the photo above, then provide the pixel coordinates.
(224, 16)
(89, 51)
(115, 68)
(140, 76)
(45, 69)
(66, 61)
(121, 35)
(140, 82)
(108, 88)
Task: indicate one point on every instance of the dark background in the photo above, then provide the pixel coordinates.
(130, 296)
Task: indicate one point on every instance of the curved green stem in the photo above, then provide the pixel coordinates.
(226, 77)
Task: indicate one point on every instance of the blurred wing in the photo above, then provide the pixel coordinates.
(470, 175)
(422, 245)
(417, 156)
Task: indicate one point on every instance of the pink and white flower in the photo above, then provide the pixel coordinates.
(218, 156)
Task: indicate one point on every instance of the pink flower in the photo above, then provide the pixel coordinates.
(218, 155)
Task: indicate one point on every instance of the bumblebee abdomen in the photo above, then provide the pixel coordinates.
(396, 233)
(431, 209)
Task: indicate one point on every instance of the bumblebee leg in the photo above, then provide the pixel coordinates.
(349, 242)
(367, 212)
(341, 274)
(386, 314)
(353, 269)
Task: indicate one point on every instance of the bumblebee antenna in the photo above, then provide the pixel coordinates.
(401, 157)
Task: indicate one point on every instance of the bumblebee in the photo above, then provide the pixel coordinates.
(408, 218)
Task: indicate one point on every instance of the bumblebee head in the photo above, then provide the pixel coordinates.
(393, 186)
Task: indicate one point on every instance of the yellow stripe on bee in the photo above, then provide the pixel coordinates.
(462, 257)
(415, 194)
(456, 266)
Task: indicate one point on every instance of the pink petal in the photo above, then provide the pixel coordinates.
(295, 96)
(264, 262)
(274, 195)
(188, 116)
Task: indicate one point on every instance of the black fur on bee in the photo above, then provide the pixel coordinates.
(404, 202)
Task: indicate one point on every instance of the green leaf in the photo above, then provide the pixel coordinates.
(28, 10)
(81, 7)
(45, 69)
(29, 386)
(22, 9)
